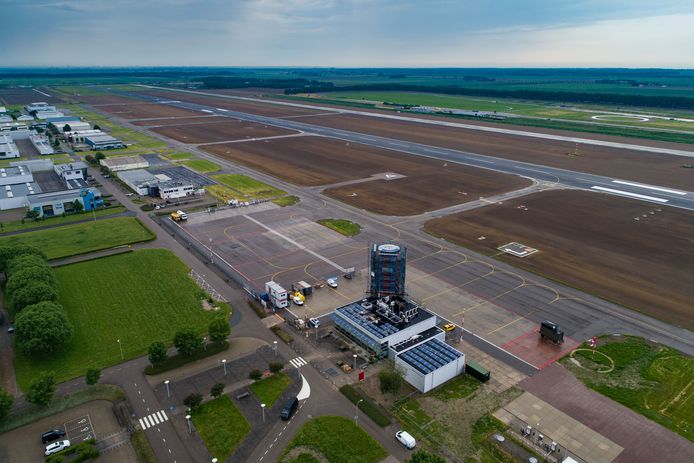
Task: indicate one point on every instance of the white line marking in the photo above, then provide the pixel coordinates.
(161, 420)
(142, 424)
(630, 195)
(649, 187)
(39, 91)
(207, 111)
(154, 418)
(164, 415)
(146, 420)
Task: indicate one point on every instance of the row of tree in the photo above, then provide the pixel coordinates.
(250, 82)
(41, 324)
(188, 342)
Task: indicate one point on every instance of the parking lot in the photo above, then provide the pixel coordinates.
(79, 430)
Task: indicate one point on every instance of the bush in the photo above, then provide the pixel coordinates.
(83, 451)
(30, 294)
(147, 207)
(42, 390)
(217, 390)
(255, 375)
(390, 380)
(92, 376)
(42, 329)
(259, 311)
(178, 360)
(157, 353)
(219, 329)
(276, 367)
(193, 401)
(6, 401)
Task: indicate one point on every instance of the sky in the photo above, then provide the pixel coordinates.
(348, 33)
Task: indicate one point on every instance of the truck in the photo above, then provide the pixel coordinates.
(179, 216)
(551, 331)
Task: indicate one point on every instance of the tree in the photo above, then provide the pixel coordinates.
(157, 353)
(90, 159)
(41, 391)
(390, 380)
(187, 342)
(77, 206)
(6, 401)
(42, 329)
(99, 156)
(32, 293)
(92, 376)
(193, 401)
(96, 127)
(217, 390)
(28, 275)
(26, 261)
(276, 367)
(219, 329)
(422, 456)
(56, 143)
(255, 375)
(67, 128)
(9, 252)
(32, 214)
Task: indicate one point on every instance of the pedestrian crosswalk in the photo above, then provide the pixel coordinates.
(298, 362)
(153, 419)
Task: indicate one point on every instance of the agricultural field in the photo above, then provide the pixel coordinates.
(221, 426)
(248, 186)
(618, 258)
(137, 298)
(334, 439)
(219, 131)
(651, 379)
(202, 165)
(83, 238)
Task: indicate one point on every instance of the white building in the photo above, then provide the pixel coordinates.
(147, 184)
(8, 149)
(71, 171)
(48, 114)
(116, 164)
(41, 143)
(3, 110)
(24, 118)
(40, 106)
(4, 119)
(77, 136)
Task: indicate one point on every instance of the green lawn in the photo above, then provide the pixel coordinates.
(269, 389)
(339, 440)
(305, 458)
(221, 426)
(342, 226)
(249, 186)
(651, 379)
(202, 165)
(84, 237)
(137, 297)
(177, 156)
(457, 388)
(58, 220)
(223, 193)
(286, 200)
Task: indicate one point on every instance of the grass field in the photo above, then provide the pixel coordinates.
(269, 389)
(651, 379)
(223, 193)
(178, 156)
(457, 388)
(84, 237)
(339, 440)
(202, 165)
(342, 226)
(286, 200)
(221, 426)
(58, 220)
(138, 297)
(249, 186)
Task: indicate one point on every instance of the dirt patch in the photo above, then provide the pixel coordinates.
(591, 241)
(220, 131)
(182, 120)
(147, 110)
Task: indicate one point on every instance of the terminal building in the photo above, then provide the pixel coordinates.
(386, 324)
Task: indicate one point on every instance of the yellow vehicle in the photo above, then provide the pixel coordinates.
(448, 327)
(178, 216)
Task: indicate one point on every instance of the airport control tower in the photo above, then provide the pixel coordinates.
(387, 270)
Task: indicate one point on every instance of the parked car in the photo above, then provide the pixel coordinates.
(56, 447)
(332, 282)
(314, 322)
(448, 327)
(289, 409)
(53, 434)
(406, 439)
(297, 300)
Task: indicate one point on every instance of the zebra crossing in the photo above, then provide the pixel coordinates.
(153, 419)
(298, 362)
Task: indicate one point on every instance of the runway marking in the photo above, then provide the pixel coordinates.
(628, 194)
(39, 91)
(649, 187)
(298, 362)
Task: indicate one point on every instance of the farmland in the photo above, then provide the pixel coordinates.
(138, 297)
(219, 131)
(84, 237)
(616, 257)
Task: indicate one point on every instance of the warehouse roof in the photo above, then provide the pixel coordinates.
(429, 356)
(123, 161)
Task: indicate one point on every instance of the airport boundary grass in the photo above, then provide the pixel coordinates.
(338, 439)
(9, 227)
(202, 165)
(125, 301)
(249, 186)
(653, 380)
(221, 426)
(178, 156)
(286, 201)
(342, 226)
(83, 238)
(269, 389)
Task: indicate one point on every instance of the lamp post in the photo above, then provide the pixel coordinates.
(121, 349)
(316, 333)
(168, 391)
(354, 356)
(224, 364)
(204, 342)
(188, 420)
(211, 254)
(274, 347)
(356, 416)
(262, 407)
(214, 460)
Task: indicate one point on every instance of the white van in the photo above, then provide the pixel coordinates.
(406, 439)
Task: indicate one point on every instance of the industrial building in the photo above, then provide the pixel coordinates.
(162, 185)
(386, 324)
(74, 125)
(61, 202)
(8, 149)
(103, 142)
(4, 118)
(41, 144)
(16, 182)
(43, 115)
(71, 171)
(124, 163)
(39, 107)
(24, 118)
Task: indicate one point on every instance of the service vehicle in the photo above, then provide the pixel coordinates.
(406, 439)
(551, 331)
(56, 447)
(179, 216)
(448, 327)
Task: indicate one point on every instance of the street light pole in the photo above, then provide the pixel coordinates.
(262, 406)
(274, 347)
(211, 255)
(188, 420)
(316, 333)
(168, 391)
(121, 349)
(224, 364)
(354, 356)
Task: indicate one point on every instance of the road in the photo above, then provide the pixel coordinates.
(596, 183)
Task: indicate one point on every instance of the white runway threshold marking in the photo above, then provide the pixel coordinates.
(649, 187)
(629, 195)
(153, 419)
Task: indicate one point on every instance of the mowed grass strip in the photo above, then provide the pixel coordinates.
(653, 380)
(342, 226)
(223, 193)
(269, 389)
(339, 440)
(286, 201)
(202, 165)
(59, 219)
(138, 297)
(221, 426)
(83, 238)
(249, 186)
